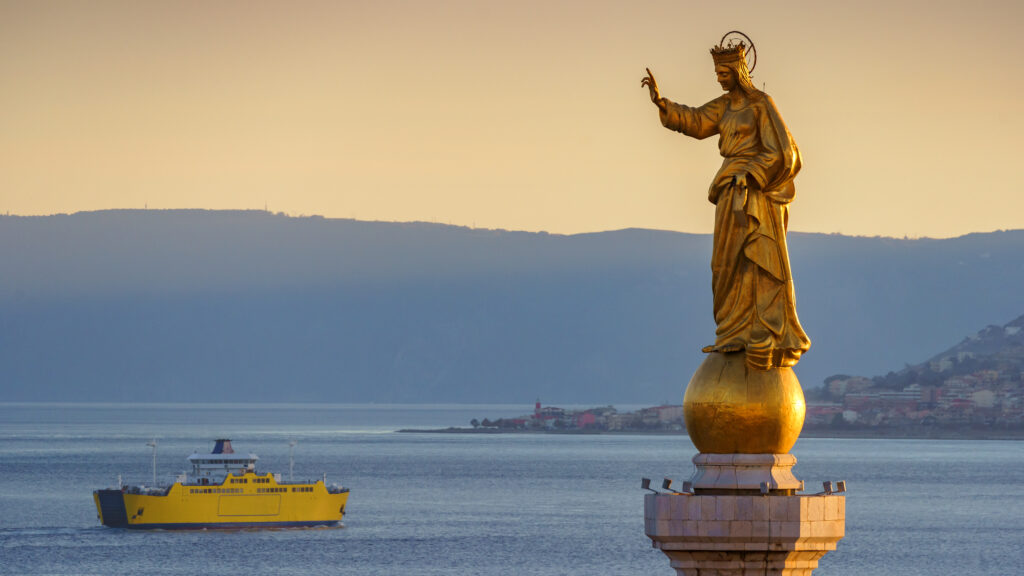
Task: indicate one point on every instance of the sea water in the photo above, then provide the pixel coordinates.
(469, 503)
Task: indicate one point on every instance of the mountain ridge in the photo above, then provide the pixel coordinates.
(249, 305)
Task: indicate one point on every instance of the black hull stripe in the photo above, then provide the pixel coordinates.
(231, 525)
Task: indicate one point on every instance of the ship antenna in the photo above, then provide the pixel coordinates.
(291, 460)
(152, 443)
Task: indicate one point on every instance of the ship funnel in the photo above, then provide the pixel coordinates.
(223, 446)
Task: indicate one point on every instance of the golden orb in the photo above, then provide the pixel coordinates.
(731, 408)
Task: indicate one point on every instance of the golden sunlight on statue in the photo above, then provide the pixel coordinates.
(754, 300)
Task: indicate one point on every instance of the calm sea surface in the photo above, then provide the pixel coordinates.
(469, 504)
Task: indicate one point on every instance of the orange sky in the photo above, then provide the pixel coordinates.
(516, 114)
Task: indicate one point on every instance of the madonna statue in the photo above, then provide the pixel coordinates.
(754, 300)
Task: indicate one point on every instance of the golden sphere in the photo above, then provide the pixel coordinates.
(731, 408)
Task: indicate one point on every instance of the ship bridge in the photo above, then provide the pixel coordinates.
(221, 462)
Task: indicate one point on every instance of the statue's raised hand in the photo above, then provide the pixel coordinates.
(652, 86)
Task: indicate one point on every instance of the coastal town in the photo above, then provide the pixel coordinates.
(975, 386)
(977, 404)
(975, 389)
(665, 418)
(986, 399)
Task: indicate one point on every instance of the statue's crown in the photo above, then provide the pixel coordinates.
(729, 53)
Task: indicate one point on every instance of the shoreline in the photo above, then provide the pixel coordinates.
(942, 434)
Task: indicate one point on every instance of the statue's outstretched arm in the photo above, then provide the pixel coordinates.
(699, 122)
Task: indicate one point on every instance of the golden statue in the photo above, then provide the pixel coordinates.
(745, 397)
(754, 301)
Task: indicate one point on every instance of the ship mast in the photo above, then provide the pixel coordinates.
(152, 443)
(291, 460)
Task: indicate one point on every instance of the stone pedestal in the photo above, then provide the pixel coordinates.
(744, 535)
(744, 473)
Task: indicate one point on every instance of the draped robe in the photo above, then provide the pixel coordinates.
(754, 299)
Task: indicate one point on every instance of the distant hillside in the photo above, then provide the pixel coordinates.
(974, 389)
(994, 348)
(192, 305)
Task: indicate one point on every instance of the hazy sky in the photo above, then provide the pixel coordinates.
(515, 114)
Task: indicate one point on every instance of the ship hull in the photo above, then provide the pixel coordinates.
(228, 506)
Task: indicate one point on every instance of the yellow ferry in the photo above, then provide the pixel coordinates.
(224, 490)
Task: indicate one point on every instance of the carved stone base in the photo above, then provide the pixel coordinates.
(744, 473)
(740, 535)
